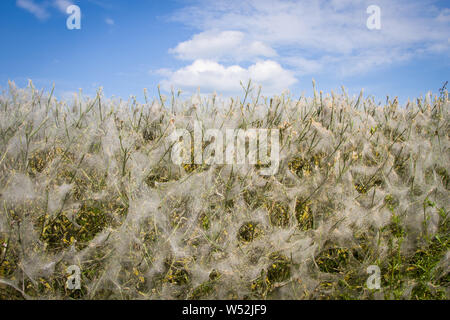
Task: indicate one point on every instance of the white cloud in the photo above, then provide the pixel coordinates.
(212, 76)
(221, 45)
(62, 5)
(38, 10)
(318, 36)
(109, 21)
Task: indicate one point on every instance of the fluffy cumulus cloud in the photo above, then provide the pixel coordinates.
(318, 36)
(211, 76)
(230, 45)
(215, 57)
(301, 38)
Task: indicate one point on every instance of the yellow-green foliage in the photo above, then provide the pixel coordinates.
(91, 183)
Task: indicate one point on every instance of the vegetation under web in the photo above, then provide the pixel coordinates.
(91, 183)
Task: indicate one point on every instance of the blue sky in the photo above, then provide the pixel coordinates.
(126, 46)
